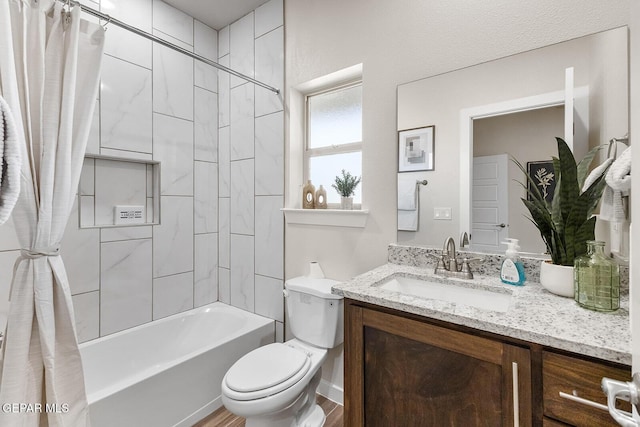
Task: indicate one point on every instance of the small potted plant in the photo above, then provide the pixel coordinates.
(567, 222)
(346, 186)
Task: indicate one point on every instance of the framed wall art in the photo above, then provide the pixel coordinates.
(415, 149)
(542, 175)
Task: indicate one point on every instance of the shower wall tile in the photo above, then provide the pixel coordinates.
(279, 332)
(164, 36)
(224, 286)
(87, 212)
(128, 155)
(206, 197)
(206, 45)
(126, 233)
(133, 12)
(224, 94)
(125, 44)
(241, 48)
(7, 259)
(93, 143)
(173, 239)
(242, 197)
(206, 125)
(125, 106)
(86, 308)
(223, 42)
(173, 147)
(172, 294)
(269, 236)
(87, 182)
(172, 21)
(205, 286)
(125, 285)
(172, 83)
(224, 161)
(118, 183)
(269, 16)
(242, 122)
(242, 268)
(269, 152)
(269, 298)
(224, 232)
(270, 70)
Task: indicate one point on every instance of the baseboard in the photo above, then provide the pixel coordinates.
(331, 391)
(201, 413)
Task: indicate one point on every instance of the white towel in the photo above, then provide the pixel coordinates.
(618, 179)
(408, 205)
(10, 162)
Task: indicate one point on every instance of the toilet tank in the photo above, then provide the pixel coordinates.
(315, 314)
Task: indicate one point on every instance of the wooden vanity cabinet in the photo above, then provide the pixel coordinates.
(407, 370)
(401, 371)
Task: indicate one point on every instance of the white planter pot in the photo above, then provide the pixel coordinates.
(557, 279)
(346, 203)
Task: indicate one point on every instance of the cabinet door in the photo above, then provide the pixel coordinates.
(418, 374)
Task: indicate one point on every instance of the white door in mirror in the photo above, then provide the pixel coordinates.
(629, 391)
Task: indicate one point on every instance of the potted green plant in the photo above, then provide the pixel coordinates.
(567, 222)
(346, 185)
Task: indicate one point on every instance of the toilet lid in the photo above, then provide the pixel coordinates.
(270, 368)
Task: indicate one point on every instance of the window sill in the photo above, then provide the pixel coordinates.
(327, 217)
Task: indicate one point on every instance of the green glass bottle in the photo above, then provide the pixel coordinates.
(596, 279)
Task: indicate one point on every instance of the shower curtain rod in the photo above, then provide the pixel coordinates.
(110, 20)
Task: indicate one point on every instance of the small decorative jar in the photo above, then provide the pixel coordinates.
(321, 198)
(596, 279)
(308, 196)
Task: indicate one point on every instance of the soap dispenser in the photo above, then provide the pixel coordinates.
(512, 270)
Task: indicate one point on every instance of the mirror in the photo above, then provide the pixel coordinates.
(513, 106)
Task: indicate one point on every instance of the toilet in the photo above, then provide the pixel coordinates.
(275, 385)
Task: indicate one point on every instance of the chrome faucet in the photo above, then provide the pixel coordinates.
(448, 264)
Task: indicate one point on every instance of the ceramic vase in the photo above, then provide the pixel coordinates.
(557, 279)
(346, 203)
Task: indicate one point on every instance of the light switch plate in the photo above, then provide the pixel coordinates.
(442, 213)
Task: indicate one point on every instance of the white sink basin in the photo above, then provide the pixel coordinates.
(474, 297)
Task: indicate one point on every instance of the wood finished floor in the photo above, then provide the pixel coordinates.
(224, 418)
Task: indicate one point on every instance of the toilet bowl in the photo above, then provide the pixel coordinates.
(275, 385)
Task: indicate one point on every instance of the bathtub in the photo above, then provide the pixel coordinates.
(168, 372)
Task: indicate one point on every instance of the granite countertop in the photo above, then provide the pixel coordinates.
(534, 314)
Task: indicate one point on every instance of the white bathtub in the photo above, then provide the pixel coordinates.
(168, 372)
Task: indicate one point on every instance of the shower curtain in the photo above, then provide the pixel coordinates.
(49, 72)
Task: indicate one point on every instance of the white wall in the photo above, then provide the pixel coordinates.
(398, 42)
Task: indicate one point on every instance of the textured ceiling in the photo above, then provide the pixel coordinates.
(216, 13)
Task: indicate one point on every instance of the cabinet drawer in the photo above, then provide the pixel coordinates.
(581, 379)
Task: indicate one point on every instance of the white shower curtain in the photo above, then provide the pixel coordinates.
(49, 73)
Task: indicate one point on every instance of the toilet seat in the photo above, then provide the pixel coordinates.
(266, 371)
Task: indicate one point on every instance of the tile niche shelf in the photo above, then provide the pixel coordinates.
(107, 182)
(328, 217)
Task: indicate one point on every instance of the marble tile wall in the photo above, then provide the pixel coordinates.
(154, 104)
(251, 164)
(220, 142)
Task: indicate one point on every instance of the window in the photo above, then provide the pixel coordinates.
(334, 138)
